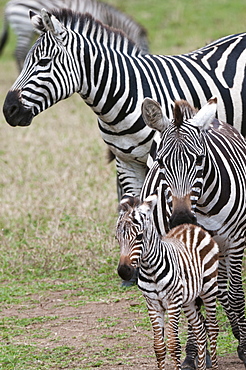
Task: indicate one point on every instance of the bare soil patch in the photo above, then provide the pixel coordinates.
(106, 335)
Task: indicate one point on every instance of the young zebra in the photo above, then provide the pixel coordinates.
(16, 15)
(174, 273)
(200, 173)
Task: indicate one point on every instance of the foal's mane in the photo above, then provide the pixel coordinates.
(182, 111)
(85, 24)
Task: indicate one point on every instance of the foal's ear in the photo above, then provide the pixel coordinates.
(153, 115)
(148, 204)
(128, 202)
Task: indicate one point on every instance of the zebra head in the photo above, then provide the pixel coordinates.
(131, 231)
(41, 82)
(181, 155)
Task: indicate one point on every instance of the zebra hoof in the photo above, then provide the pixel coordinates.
(241, 354)
(188, 364)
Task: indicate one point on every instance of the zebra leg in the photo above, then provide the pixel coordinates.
(131, 176)
(174, 346)
(196, 320)
(190, 360)
(191, 351)
(156, 315)
(212, 327)
(224, 298)
(237, 301)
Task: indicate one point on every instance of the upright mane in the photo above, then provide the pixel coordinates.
(86, 25)
(182, 111)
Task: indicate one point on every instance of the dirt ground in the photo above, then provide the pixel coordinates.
(99, 331)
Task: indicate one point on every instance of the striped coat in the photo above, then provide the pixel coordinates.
(200, 173)
(17, 16)
(78, 54)
(173, 273)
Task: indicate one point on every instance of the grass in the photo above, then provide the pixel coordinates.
(59, 207)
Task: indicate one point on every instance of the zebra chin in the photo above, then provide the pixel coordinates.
(14, 111)
(125, 269)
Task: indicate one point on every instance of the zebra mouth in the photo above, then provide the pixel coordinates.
(14, 111)
(125, 271)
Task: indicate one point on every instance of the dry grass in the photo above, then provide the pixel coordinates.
(57, 191)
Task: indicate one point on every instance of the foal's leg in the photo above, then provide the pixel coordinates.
(156, 315)
(191, 345)
(196, 320)
(174, 346)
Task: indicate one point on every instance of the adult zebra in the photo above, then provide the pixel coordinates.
(79, 54)
(200, 173)
(16, 15)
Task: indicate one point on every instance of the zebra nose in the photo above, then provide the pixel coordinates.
(14, 112)
(125, 269)
(182, 218)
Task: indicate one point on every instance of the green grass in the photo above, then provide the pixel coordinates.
(59, 207)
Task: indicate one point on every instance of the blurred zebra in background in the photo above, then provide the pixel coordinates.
(17, 16)
(200, 173)
(76, 53)
(174, 272)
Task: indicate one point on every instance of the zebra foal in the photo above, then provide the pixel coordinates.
(200, 173)
(174, 272)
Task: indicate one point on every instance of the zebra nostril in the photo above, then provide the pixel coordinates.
(13, 110)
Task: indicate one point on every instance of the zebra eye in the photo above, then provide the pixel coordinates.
(43, 62)
(139, 237)
(199, 160)
(160, 162)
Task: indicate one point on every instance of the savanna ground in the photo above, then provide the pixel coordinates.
(62, 306)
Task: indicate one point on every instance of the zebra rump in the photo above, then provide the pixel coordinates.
(174, 272)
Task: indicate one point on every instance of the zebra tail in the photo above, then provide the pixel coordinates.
(4, 35)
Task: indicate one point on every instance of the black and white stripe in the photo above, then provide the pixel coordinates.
(173, 273)
(200, 173)
(79, 54)
(17, 16)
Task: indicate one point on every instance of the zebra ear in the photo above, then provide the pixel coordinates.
(128, 201)
(205, 115)
(153, 115)
(148, 204)
(51, 23)
(36, 21)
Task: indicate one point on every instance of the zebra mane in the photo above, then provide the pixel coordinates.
(182, 111)
(86, 25)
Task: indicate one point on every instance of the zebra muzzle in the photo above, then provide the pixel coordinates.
(125, 269)
(14, 111)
